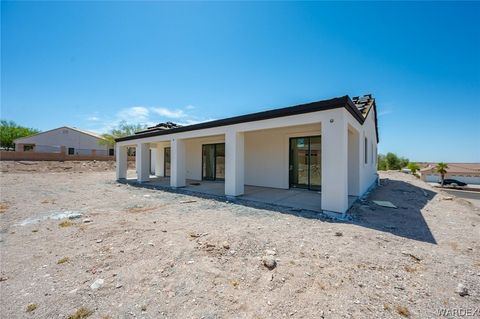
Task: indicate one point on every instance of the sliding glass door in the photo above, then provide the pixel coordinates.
(305, 162)
(166, 161)
(213, 161)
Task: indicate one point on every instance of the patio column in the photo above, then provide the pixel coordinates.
(234, 163)
(335, 164)
(142, 158)
(159, 160)
(121, 156)
(177, 174)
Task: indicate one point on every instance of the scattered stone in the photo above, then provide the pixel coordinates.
(74, 215)
(226, 245)
(269, 262)
(417, 259)
(270, 252)
(97, 284)
(338, 234)
(461, 290)
(190, 262)
(99, 241)
(384, 203)
(188, 201)
(447, 198)
(151, 244)
(118, 286)
(87, 220)
(3, 278)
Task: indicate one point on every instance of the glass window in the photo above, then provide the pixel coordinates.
(366, 150)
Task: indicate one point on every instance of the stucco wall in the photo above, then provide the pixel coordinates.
(368, 171)
(193, 150)
(267, 154)
(64, 137)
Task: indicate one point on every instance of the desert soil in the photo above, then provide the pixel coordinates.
(140, 253)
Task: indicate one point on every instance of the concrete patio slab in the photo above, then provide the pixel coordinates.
(293, 198)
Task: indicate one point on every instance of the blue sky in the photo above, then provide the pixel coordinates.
(93, 64)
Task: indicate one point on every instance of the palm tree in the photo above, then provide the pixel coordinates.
(442, 170)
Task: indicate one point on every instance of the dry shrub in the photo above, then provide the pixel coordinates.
(81, 313)
(31, 307)
(3, 207)
(140, 209)
(403, 311)
(65, 223)
(63, 260)
(410, 269)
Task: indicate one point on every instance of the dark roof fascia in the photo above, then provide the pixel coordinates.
(324, 105)
(352, 108)
(275, 113)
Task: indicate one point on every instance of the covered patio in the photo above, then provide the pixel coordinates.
(294, 198)
(316, 156)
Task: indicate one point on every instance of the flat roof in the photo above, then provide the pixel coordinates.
(338, 102)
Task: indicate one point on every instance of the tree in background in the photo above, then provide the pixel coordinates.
(10, 131)
(442, 170)
(413, 167)
(391, 162)
(381, 162)
(123, 129)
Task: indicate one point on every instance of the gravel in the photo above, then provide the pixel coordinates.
(388, 262)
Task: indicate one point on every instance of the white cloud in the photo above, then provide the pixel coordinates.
(135, 114)
(145, 115)
(174, 114)
(385, 112)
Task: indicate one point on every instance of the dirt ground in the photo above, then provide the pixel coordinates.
(140, 253)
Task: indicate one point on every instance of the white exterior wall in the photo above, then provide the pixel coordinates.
(193, 150)
(64, 136)
(267, 154)
(435, 178)
(368, 172)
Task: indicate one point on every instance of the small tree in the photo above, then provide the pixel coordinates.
(403, 162)
(123, 129)
(381, 162)
(393, 162)
(10, 131)
(413, 167)
(442, 170)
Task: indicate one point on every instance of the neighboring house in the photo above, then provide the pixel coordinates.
(71, 140)
(328, 146)
(464, 172)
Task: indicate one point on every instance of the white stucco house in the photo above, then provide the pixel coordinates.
(72, 140)
(328, 147)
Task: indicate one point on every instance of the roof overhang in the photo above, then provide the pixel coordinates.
(324, 105)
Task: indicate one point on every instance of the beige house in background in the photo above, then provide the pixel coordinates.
(71, 140)
(468, 173)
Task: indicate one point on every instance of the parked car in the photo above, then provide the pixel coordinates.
(452, 182)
